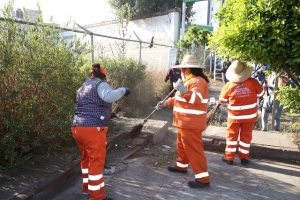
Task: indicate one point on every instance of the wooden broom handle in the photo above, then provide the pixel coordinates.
(162, 103)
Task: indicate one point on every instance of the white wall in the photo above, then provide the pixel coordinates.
(164, 28)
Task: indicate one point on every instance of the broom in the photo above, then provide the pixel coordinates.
(136, 130)
(210, 115)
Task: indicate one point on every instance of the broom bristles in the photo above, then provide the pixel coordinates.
(211, 114)
(135, 131)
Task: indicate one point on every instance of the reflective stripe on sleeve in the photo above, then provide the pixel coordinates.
(241, 107)
(261, 94)
(204, 101)
(193, 98)
(182, 165)
(178, 98)
(201, 175)
(85, 171)
(223, 99)
(242, 116)
(189, 111)
(244, 144)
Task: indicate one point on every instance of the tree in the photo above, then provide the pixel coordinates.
(264, 31)
(194, 33)
(145, 8)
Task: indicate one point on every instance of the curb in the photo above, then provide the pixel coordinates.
(49, 184)
(258, 151)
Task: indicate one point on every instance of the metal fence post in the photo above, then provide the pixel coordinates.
(92, 39)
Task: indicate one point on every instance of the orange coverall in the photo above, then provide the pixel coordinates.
(189, 115)
(242, 113)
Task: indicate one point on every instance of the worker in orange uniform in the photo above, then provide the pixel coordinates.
(89, 126)
(240, 93)
(189, 115)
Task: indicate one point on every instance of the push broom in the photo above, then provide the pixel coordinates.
(136, 130)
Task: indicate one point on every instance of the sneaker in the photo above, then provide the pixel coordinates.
(244, 161)
(197, 184)
(173, 169)
(228, 162)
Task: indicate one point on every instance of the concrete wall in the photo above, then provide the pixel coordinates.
(164, 28)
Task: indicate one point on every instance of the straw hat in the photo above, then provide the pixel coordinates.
(238, 71)
(188, 61)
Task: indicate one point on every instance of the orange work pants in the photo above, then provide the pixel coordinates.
(234, 131)
(92, 145)
(191, 150)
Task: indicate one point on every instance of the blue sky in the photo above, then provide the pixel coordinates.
(83, 12)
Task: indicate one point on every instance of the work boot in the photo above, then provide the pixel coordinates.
(228, 162)
(173, 169)
(244, 161)
(197, 184)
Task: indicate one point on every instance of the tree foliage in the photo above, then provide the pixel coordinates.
(263, 31)
(145, 8)
(194, 33)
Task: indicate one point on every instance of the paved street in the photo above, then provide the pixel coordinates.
(139, 179)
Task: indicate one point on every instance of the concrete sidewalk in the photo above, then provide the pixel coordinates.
(37, 181)
(268, 145)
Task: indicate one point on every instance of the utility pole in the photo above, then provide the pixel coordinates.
(183, 20)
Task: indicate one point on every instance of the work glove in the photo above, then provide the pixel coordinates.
(180, 87)
(161, 104)
(127, 91)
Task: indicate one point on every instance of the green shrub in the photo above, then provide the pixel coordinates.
(39, 76)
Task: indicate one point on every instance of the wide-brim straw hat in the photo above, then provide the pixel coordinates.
(188, 61)
(238, 71)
